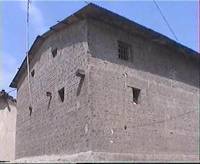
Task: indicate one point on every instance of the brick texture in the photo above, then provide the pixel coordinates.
(54, 126)
(166, 121)
(98, 113)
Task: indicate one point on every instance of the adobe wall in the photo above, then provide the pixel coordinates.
(102, 117)
(55, 127)
(7, 130)
(166, 120)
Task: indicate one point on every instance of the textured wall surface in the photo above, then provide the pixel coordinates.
(7, 130)
(166, 119)
(55, 126)
(98, 112)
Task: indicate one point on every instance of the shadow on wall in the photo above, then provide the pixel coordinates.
(155, 59)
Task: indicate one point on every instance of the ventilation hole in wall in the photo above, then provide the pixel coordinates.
(30, 110)
(61, 93)
(80, 72)
(125, 127)
(54, 52)
(48, 94)
(33, 73)
(136, 95)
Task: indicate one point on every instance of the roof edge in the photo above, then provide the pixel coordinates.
(78, 15)
(39, 38)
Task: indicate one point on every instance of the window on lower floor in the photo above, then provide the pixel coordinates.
(61, 94)
(136, 95)
(54, 52)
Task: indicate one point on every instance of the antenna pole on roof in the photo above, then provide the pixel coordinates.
(86, 2)
(27, 52)
(165, 19)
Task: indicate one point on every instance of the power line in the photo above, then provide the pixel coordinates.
(165, 19)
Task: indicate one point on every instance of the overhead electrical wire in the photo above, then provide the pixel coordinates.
(165, 20)
(12, 90)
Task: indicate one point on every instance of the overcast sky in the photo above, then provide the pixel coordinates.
(182, 16)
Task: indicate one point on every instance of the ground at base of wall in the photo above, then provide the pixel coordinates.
(90, 156)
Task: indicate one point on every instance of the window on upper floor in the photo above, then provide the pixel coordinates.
(124, 50)
(54, 52)
(33, 73)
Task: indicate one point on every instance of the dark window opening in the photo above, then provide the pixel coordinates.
(61, 93)
(136, 95)
(30, 110)
(124, 50)
(54, 52)
(33, 73)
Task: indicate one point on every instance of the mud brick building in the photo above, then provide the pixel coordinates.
(8, 114)
(103, 83)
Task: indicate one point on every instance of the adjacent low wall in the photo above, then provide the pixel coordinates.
(7, 130)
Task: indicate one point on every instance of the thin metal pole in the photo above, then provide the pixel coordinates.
(27, 53)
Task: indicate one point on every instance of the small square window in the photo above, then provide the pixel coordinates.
(124, 50)
(136, 95)
(61, 93)
(54, 52)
